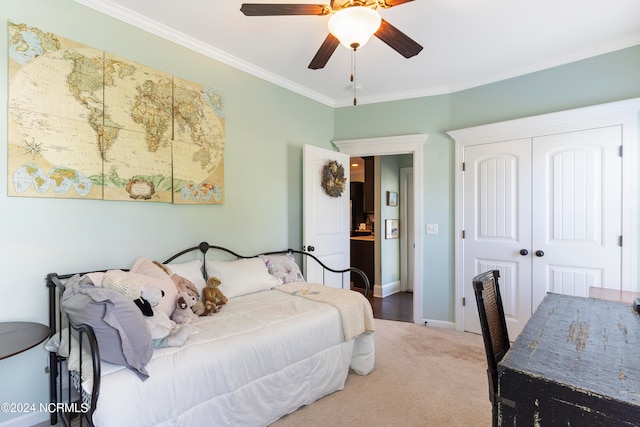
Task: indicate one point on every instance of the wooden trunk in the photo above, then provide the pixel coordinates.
(576, 363)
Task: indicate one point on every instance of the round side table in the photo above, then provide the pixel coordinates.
(16, 337)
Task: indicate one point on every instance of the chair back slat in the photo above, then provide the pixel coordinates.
(494, 328)
(494, 321)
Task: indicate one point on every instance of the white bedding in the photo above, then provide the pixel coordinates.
(261, 357)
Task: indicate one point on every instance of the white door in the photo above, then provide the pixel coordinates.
(326, 219)
(546, 212)
(497, 227)
(577, 212)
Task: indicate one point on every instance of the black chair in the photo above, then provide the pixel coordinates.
(494, 329)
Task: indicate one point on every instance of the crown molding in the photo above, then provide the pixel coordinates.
(142, 22)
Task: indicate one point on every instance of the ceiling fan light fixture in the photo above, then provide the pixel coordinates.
(354, 26)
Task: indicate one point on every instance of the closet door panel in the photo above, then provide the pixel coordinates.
(497, 219)
(576, 207)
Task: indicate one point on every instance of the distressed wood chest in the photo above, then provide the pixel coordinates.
(576, 363)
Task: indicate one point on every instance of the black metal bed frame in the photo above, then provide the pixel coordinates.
(69, 407)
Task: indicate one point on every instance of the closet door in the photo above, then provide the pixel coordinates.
(497, 226)
(577, 212)
(547, 213)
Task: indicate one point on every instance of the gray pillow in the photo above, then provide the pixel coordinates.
(123, 337)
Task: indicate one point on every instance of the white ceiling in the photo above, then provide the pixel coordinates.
(467, 43)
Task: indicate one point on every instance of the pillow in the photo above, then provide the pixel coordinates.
(120, 329)
(191, 270)
(283, 267)
(241, 277)
(153, 275)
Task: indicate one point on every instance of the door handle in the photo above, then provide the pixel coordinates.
(539, 253)
(310, 248)
(524, 252)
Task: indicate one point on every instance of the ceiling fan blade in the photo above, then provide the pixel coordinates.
(391, 3)
(324, 53)
(398, 40)
(273, 9)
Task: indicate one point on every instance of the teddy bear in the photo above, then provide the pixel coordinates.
(212, 296)
(184, 285)
(183, 313)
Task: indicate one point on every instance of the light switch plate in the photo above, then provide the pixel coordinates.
(432, 228)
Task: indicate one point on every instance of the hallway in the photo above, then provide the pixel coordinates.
(398, 306)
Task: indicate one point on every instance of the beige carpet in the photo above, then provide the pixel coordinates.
(423, 376)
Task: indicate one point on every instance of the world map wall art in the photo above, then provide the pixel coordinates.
(86, 124)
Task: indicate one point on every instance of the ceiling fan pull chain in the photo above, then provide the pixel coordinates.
(353, 75)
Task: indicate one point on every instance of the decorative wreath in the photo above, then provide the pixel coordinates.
(333, 180)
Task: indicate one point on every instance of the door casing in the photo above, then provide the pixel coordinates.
(403, 144)
(623, 113)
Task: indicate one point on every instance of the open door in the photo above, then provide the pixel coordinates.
(326, 219)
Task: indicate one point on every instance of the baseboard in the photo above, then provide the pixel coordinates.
(439, 323)
(381, 291)
(26, 420)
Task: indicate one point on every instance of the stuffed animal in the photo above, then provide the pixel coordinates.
(164, 331)
(183, 313)
(212, 296)
(128, 286)
(184, 285)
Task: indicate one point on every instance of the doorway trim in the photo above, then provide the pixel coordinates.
(391, 145)
(405, 242)
(623, 113)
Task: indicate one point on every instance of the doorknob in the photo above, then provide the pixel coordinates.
(539, 253)
(524, 252)
(310, 248)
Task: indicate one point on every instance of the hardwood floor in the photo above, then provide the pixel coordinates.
(398, 306)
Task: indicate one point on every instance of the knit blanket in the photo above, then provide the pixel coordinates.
(355, 310)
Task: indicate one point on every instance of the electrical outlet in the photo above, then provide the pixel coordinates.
(432, 228)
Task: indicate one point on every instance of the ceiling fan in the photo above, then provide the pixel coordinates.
(348, 17)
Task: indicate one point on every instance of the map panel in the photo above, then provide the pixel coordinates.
(198, 146)
(84, 123)
(138, 117)
(47, 144)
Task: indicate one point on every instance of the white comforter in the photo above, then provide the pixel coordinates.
(261, 357)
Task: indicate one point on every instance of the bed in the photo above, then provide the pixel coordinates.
(269, 350)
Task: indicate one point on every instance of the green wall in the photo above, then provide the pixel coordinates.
(389, 248)
(611, 77)
(266, 128)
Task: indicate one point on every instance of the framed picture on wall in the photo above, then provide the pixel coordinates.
(392, 198)
(392, 229)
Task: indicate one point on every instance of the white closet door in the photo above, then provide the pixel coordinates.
(497, 224)
(577, 212)
(547, 213)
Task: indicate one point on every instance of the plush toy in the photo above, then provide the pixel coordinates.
(184, 285)
(164, 331)
(212, 296)
(122, 282)
(183, 313)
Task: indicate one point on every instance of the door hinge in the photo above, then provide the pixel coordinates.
(463, 166)
(620, 241)
(621, 148)
(464, 301)
(463, 234)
